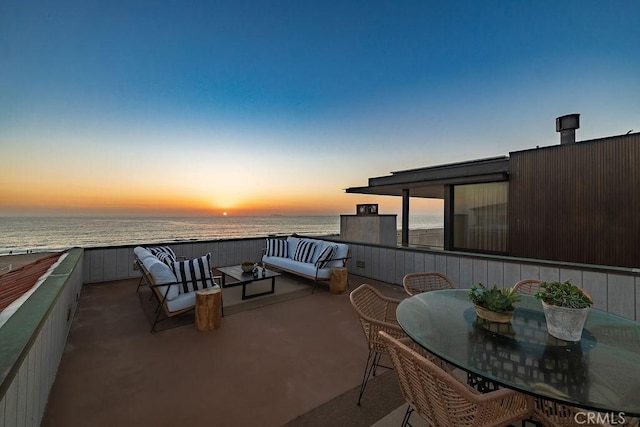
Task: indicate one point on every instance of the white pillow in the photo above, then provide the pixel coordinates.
(142, 253)
(162, 274)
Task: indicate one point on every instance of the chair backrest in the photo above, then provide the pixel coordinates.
(416, 283)
(442, 400)
(531, 286)
(528, 286)
(433, 393)
(377, 312)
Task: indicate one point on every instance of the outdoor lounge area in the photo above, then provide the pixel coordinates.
(264, 365)
(295, 360)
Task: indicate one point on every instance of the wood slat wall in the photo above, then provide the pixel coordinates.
(577, 202)
(616, 290)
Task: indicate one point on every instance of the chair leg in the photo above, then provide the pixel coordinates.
(153, 327)
(376, 363)
(407, 415)
(369, 368)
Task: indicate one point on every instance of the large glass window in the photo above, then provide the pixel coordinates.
(480, 219)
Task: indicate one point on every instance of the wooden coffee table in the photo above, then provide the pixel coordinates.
(242, 278)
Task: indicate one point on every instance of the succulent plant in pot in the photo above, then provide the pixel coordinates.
(565, 308)
(494, 304)
(247, 266)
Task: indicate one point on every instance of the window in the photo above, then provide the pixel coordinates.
(480, 221)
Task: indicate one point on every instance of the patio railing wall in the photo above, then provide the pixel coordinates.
(616, 290)
(32, 342)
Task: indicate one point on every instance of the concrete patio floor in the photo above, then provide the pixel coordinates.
(262, 367)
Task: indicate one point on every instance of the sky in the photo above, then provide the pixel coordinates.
(275, 107)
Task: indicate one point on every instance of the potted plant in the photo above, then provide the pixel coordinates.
(565, 309)
(493, 304)
(247, 266)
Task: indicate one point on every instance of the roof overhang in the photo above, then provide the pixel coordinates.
(430, 182)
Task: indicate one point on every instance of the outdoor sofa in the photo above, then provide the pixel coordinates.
(310, 258)
(173, 282)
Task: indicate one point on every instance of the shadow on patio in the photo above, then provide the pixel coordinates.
(264, 366)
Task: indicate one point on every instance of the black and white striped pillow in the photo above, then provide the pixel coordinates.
(277, 247)
(166, 258)
(194, 274)
(304, 251)
(326, 255)
(163, 251)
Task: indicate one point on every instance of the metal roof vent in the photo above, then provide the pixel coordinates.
(567, 126)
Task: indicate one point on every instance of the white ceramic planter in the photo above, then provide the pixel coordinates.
(565, 323)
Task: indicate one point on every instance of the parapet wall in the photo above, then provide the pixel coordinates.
(616, 290)
(33, 340)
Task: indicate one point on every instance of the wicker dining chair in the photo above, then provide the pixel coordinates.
(444, 401)
(531, 286)
(528, 286)
(553, 414)
(416, 283)
(377, 313)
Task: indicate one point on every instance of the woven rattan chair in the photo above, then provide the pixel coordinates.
(443, 401)
(531, 286)
(553, 414)
(416, 283)
(528, 286)
(377, 313)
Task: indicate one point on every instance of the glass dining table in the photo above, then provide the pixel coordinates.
(600, 372)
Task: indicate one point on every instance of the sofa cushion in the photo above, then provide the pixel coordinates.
(161, 274)
(325, 256)
(304, 251)
(302, 268)
(142, 253)
(182, 301)
(194, 274)
(277, 247)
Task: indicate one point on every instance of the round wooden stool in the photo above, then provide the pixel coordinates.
(208, 309)
(338, 280)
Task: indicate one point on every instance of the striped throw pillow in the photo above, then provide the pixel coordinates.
(304, 251)
(163, 251)
(166, 258)
(277, 247)
(326, 255)
(194, 274)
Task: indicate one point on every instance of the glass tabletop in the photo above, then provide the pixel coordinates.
(600, 372)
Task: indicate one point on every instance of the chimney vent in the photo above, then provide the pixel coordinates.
(567, 126)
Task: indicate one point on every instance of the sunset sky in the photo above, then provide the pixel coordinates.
(246, 107)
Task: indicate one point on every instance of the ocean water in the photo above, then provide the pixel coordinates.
(38, 234)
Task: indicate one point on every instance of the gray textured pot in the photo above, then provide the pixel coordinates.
(565, 323)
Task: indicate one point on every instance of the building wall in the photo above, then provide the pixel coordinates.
(577, 202)
(380, 229)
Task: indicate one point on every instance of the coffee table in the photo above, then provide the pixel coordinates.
(242, 278)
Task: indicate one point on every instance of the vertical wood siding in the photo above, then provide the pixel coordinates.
(616, 290)
(577, 202)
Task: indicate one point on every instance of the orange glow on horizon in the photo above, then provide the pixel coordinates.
(115, 196)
